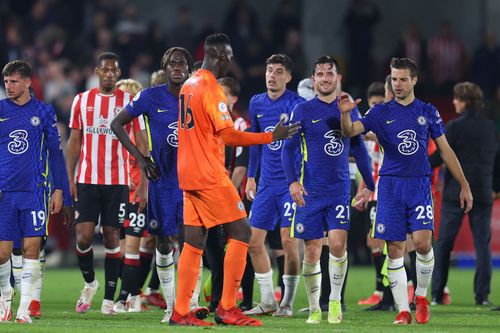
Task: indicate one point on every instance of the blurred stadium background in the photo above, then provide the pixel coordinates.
(451, 40)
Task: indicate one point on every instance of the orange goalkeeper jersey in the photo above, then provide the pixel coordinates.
(203, 113)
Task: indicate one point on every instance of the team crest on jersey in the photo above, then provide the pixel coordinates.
(35, 121)
(300, 228)
(380, 228)
(241, 206)
(275, 145)
(153, 224)
(222, 107)
(422, 120)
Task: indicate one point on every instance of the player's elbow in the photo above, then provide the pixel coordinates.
(347, 132)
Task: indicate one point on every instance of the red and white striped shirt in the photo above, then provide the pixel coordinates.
(376, 157)
(103, 159)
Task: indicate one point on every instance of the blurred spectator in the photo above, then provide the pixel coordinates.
(473, 138)
(446, 57)
(182, 33)
(286, 18)
(487, 65)
(58, 89)
(359, 22)
(129, 37)
(293, 48)
(240, 24)
(156, 43)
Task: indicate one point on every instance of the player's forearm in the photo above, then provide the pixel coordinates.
(232, 137)
(253, 161)
(238, 176)
(452, 163)
(117, 127)
(346, 124)
(73, 151)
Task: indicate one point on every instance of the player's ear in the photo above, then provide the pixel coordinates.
(414, 80)
(118, 73)
(28, 82)
(288, 77)
(339, 77)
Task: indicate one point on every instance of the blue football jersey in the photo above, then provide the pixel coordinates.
(264, 115)
(325, 152)
(161, 111)
(28, 138)
(403, 133)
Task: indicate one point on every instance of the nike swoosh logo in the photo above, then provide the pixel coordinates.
(344, 222)
(4, 119)
(427, 222)
(315, 121)
(260, 115)
(37, 229)
(161, 110)
(390, 121)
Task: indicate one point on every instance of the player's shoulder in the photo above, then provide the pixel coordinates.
(258, 98)
(382, 107)
(293, 97)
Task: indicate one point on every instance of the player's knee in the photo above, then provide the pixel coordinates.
(423, 247)
(4, 256)
(337, 248)
(166, 246)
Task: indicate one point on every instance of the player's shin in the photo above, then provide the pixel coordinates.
(425, 266)
(17, 268)
(312, 282)
(234, 264)
(112, 263)
(189, 264)
(166, 272)
(291, 282)
(31, 273)
(337, 268)
(397, 279)
(197, 289)
(37, 291)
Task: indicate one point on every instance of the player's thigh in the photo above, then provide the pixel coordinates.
(163, 211)
(215, 206)
(31, 247)
(114, 205)
(337, 213)
(88, 206)
(9, 218)
(390, 220)
(265, 213)
(258, 237)
(308, 221)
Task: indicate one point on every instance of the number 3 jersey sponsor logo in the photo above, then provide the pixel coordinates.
(19, 143)
(410, 144)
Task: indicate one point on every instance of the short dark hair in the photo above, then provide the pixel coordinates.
(470, 93)
(17, 66)
(168, 54)
(106, 56)
(326, 59)
(233, 85)
(405, 63)
(376, 89)
(282, 59)
(388, 83)
(216, 38)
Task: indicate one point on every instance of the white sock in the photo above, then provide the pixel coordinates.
(196, 292)
(312, 282)
(291, 282)
(337, 268)
(265, 281)
(425, 266)
(5, 287)
(166, 272)
(37, 291)
(17, 267)
(31, 273)
(399, 286)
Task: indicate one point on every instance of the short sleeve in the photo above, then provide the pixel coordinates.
(215, 105)
(138, 105)
(75, 120)
(369, 120)
(436, 126)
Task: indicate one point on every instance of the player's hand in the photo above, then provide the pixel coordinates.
(68, 216)
(251, 189)
(466, 198)
(141, 196)
(73, 191)
(346, 104)
(361, 198)
(149, 167)
(282, 132)
(297, 191)
(56, 202)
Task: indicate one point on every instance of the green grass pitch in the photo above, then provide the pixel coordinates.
(62, 287)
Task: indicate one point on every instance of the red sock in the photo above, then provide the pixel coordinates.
(234, 267)
(187, 275)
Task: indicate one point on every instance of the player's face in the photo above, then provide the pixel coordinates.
(16, 86)
(325, 79)
(225, 58)
(177, 68)
(402, 82)
(108, 73)
(277, 77)
(374, 100)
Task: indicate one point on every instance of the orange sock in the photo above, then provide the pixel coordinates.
(187, 275)
(234, 267)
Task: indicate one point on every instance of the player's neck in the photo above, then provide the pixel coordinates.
(274, 95)
(407, 100)
(22, 99)
(327, 98)
(102, 91)
(174, 89)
